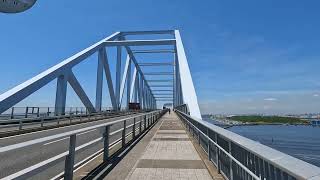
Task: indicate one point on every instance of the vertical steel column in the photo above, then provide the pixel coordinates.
(128, 84)
(118, 76)
(69, 162)
(61, 92)
(136, 88)
(99, 85)
(139, 88)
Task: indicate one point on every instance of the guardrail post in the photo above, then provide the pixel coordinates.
(42, 121)
(106, 144)
(12, 113)
(218, 154)
(140, 126)
(209, 144)
(124, 133)
(134, 128)
(145, 121)
(230, 162)
(70, 118)
(69, 162)
(199, 136)
(26, 113)
(38, 112)
(20, 124)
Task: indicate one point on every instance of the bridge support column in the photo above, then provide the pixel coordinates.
(118, 77)
(61, 92)
(99, 85)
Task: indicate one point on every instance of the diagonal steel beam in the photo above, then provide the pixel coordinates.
(187, 87)
(20, 92)
(137, 65)
(124, 79)
(104, 58)
(133, 84)
(80, 92)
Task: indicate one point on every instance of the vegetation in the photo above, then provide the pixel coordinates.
(267, 119)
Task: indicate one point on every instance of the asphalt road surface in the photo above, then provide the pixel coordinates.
(16, 160)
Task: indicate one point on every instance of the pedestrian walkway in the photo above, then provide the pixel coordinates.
(170, 155)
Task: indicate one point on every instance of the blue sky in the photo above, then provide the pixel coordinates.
(245, 56)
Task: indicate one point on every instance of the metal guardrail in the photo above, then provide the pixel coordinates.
(237, 157)
(66, 119)
(37, 112)
(145, 122)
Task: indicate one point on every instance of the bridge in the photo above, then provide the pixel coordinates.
(118, 142)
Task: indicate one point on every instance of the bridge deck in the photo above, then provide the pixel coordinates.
(170, 155)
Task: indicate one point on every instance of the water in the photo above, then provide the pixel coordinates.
(302, 142)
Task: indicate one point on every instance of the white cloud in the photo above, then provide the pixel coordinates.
(270, 99)
(316, 95)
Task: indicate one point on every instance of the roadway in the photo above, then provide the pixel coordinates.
(16, 160)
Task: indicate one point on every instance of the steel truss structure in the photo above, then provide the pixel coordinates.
(178, 90)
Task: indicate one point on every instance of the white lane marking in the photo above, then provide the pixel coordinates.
(55, 141)
(68, 137)
(87, 132)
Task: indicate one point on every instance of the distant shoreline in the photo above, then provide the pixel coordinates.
(254, 119)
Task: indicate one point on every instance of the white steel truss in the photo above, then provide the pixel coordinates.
(178, 90)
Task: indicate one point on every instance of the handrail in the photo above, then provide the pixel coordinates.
(148, 118)
(287, 164)
(61, 135)
(227, 153)
(42, 120)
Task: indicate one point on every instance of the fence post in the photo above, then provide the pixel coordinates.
(26, 113)
(12, 113)
(218, 154)
(69, 163)
(199, 136)
(230, 160)
(134, 128)
(20, 124)
(209, 144)
(106, 144)
(124, 133)
(145, 121)
(42, 121)
(38, 112)
(140, 126)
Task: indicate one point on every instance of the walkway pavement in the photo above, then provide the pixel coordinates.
(170, 155)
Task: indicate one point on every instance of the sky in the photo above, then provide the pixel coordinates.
(245, 56)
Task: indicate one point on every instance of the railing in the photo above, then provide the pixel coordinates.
(238, 158)
(140, 124)
(42, 121)
(36, 112)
